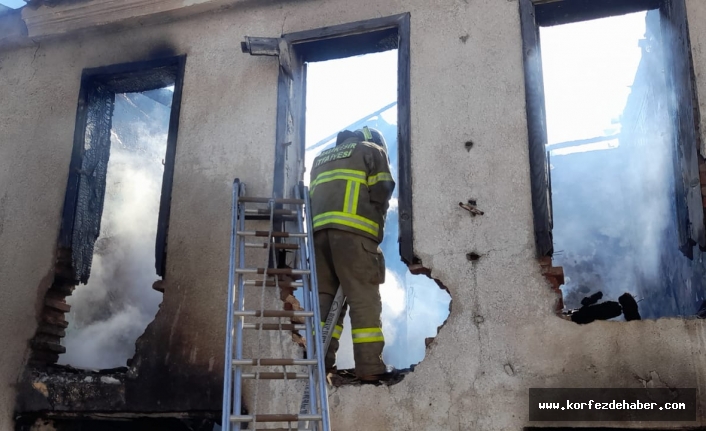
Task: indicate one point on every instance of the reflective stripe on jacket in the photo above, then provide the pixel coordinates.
(350, 188)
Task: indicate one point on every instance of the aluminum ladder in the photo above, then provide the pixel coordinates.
(294, 212)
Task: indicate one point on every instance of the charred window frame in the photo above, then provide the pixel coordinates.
(83, 205)
(680, 76)
(329, 43)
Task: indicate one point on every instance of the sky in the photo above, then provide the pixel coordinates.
(14, 4)
(588, 69)
(365, 83)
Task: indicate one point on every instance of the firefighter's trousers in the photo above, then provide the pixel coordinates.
(357, 264)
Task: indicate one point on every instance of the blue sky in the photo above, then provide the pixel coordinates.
(14, 4)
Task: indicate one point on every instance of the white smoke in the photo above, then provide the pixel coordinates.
(615, 219)
(112, 310)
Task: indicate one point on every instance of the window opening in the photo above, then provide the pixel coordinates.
(614, 170)
(111, 250)
(112, 309)
(350, 93)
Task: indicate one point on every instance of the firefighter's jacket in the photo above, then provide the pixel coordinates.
(350, 188)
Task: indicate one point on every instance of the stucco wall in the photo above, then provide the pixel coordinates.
(501, 337)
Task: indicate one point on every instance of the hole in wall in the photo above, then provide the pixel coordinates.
(472, 256)
(350, 93)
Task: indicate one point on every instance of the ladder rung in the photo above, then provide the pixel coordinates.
(273, 313)
(253, 199)
(266, 234)
(265, 211)
(275, 418)
(275, 326)
(277, 245)
(275, 271)
(274, 362)
(274, 376)
(271, 283)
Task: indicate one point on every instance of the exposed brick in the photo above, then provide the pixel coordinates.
(57, 304)
(158, 286)
(545, 261)
(556, 272)
(51, 330)
(51, 347)
(54, 318)
(555, 277)
(47, 338)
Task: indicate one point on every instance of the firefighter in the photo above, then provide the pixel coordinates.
(351, 186)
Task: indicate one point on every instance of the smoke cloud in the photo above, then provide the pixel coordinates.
(615, 211)
(112, 310)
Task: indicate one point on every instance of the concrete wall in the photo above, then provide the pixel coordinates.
(502, 336)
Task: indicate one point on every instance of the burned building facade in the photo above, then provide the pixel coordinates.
(76, 79)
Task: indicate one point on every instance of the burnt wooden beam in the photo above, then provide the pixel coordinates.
(561, 12)
(404, 142)
(686, 136)
(165, 201)
(537, 129)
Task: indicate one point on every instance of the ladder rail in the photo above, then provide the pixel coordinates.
(306, 297)
(314, 414)
(228, 369)
(238, 402)
(323, 393)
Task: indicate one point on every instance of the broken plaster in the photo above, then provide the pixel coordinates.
(652, 381)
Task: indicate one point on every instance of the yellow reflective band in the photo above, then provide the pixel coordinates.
(337, 174)
(346, 219)
(350, 201)
(367, 335)
(353, 173)
(356, 194)
(382, 176)
(337, 330)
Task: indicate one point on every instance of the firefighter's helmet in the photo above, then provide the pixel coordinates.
(374, 136)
